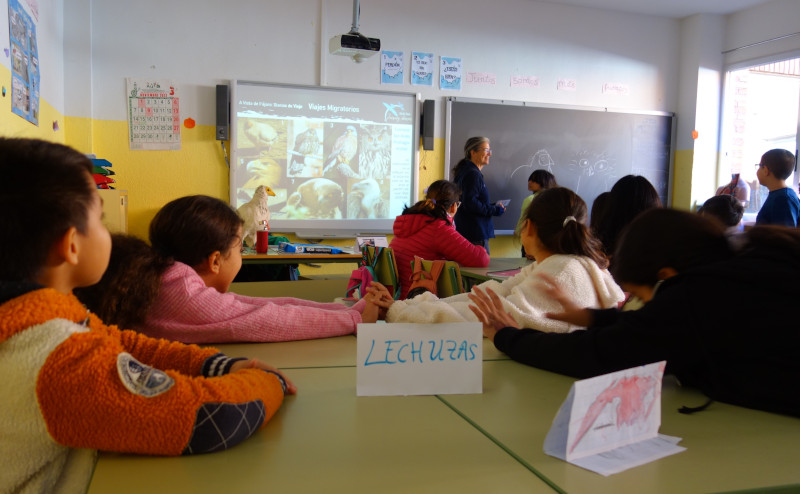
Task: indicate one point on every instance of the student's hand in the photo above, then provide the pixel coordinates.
(371, 312)
(257, 364)
(379, 295)
(490, 311)
(570, 313)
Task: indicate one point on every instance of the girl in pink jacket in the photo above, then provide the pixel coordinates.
(426, 229)
(178, 289)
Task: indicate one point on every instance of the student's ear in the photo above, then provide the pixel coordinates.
(211, 264)
(666, 273)
(66, 248)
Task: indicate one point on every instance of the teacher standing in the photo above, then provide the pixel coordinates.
(474, 217)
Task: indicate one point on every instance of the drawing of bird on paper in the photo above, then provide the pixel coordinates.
(337, 165)
(253, 213)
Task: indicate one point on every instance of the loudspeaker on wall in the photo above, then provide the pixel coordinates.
(223, 112)
(426, 128)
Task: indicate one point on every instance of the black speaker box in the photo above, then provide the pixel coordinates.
(223, 112)
(426, 128)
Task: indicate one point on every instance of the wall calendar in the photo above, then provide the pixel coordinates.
(153, 115)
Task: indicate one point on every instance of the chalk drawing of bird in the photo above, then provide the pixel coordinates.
(306, 144)
(337, 164)
(253, 213)
(262, 134)
(365, 201)
(315, 198)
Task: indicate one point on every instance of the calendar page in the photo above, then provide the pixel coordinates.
(153, 115)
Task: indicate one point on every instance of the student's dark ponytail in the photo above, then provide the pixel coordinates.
(560, 218)
(438, 198)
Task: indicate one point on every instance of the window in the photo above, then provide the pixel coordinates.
(761, 110)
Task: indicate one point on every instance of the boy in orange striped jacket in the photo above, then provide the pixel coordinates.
(73, 385)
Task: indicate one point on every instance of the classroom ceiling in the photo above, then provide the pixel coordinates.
(667, 8)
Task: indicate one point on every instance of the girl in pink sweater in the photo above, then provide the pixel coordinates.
(178, 289)
(426, 230)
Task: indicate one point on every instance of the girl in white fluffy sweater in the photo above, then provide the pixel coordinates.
(554, 232)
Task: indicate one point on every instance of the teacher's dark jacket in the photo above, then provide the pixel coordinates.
(474, 217)
(730, 329)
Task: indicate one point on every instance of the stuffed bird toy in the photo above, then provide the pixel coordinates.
(262, 134)
(253, 213)
(344, 149)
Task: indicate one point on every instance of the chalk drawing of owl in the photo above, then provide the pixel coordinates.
(375, 154)
(586, 164)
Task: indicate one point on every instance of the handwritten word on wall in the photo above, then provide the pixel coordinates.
(419, 359)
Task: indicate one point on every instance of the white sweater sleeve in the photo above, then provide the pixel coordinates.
(522, 296)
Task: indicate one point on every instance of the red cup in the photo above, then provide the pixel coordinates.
(262, 241)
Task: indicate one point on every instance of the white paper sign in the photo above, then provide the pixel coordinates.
(375, 241)
(610, 423)
(419, 359)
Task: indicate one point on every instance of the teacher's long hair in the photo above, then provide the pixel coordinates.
(471, 145)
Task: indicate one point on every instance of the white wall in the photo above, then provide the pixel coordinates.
(200, 43)
(764, 22)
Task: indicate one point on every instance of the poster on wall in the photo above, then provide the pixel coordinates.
(24, 62)
(422, 68)
(153, 115)
(450, 73)
(392, 67)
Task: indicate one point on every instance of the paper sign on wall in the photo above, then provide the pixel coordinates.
(610, 423)
(419, 359)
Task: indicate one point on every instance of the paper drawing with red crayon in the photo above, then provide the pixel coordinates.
(610, 423)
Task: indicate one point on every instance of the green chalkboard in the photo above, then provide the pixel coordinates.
(587, 149)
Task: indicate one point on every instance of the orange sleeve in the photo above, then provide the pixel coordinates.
(87, 403)
(160, 353)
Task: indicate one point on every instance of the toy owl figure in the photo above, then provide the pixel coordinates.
(253, 213)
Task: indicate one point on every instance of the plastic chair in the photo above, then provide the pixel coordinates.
(385, 269)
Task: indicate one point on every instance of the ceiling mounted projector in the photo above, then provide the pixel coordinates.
(354, 44)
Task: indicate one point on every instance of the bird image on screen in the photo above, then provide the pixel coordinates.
(340, 162)
(375, 155)
(306, 157)
(315, 198)
(253, 213)
(365, 200)
(337, 165)
(262, 134)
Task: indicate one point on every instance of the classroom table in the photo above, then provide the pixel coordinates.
(276, 256)
(326, 439)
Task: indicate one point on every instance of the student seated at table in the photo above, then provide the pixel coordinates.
(726, 209)
(724, 322)
(75, 385)
(196, 252)
(555, 234)
(426, 230)
(629, 196)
